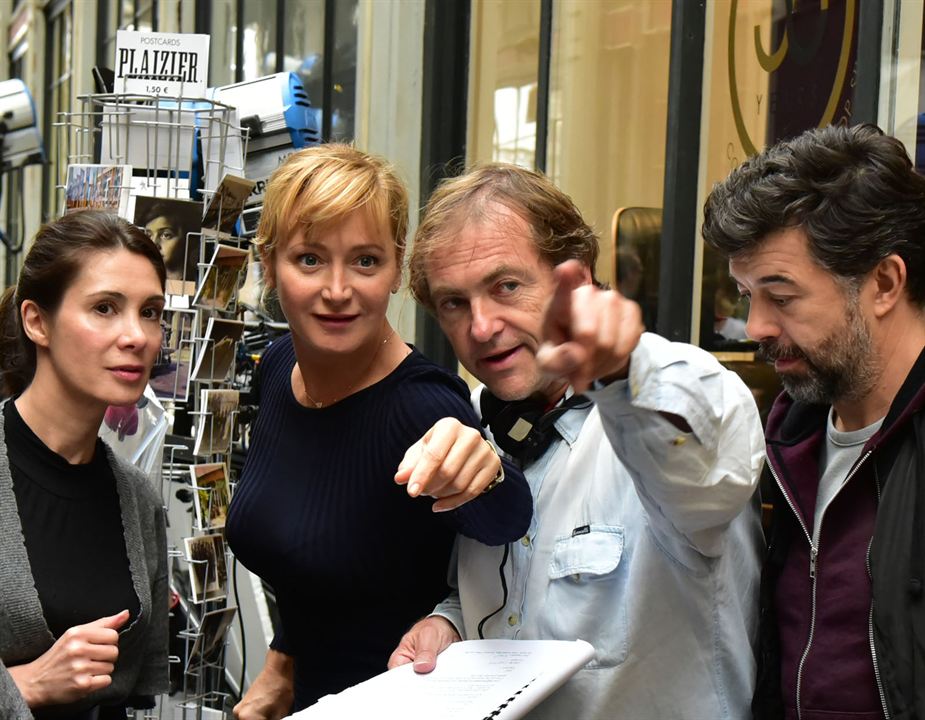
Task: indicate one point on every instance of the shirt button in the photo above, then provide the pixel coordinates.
(680, 440)
(512, 619)
(525, 541)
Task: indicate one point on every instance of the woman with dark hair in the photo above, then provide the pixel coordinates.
(83, 553)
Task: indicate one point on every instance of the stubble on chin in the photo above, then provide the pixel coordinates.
(842, 368)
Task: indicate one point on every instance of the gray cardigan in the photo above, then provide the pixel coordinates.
(142, 665)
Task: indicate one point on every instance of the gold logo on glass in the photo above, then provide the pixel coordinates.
(801, 51)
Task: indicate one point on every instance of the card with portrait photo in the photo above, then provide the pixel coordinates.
(174, 226)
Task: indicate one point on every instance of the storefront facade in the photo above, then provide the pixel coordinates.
(634, 108)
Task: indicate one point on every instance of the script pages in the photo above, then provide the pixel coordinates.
(474, 680)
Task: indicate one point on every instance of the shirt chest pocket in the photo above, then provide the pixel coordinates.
(586, 595)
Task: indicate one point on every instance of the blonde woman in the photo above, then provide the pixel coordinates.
(347, 411)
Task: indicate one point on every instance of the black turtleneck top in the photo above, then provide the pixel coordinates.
(72, 525)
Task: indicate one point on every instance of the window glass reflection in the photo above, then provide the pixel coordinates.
(502, 115)
(144, 17)
(224, 35)
(344, 63)
(772, 74)
(259, 31)
(305, 47)
(608, 110)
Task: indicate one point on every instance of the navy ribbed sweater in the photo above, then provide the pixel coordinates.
(353, 560)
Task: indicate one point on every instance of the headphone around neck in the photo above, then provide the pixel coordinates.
(524, 429)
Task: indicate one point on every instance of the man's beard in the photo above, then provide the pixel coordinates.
(840, 367)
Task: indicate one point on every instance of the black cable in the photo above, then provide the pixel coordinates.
(234, 584)
(507, 551)
(14, 248)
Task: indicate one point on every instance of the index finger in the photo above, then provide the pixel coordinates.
(433, 453)
(406, 466)
(558, 320)
(96, 636)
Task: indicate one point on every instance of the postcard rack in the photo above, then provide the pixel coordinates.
(212, 399)
(158, 136)
(147, 149)
(215, 337)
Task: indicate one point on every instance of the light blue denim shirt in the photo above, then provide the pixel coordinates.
(645, 542)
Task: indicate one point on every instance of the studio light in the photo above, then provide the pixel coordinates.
(21, 139)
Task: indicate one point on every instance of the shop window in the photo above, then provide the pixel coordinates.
(903, 83)
(343, 58)
(769, 74)
(316, 39)
(503, 71)
(223, 43)
(258, 32)
(117, 15)
(772, 74)
(606, 113)
(59, 72)
(919, 122)
(608, 109)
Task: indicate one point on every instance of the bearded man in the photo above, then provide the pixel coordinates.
(825, 234)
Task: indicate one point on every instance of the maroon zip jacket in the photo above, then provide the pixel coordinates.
(843, 623)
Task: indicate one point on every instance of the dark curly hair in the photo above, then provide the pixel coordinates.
(852, 190)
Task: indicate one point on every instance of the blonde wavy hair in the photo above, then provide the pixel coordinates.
(320, 186)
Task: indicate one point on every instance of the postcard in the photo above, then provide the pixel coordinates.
(222, 277)
(225, 206)
(218, 349)
(98, 187)
(208, 574)
(149, 184)
(174, 227)
(211, 497)
(171, 373)
(211, 637)
(215, 426)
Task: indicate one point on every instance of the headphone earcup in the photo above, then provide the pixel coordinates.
(517, 426)
(524, 429)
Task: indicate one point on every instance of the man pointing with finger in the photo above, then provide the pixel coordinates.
(642, 456)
